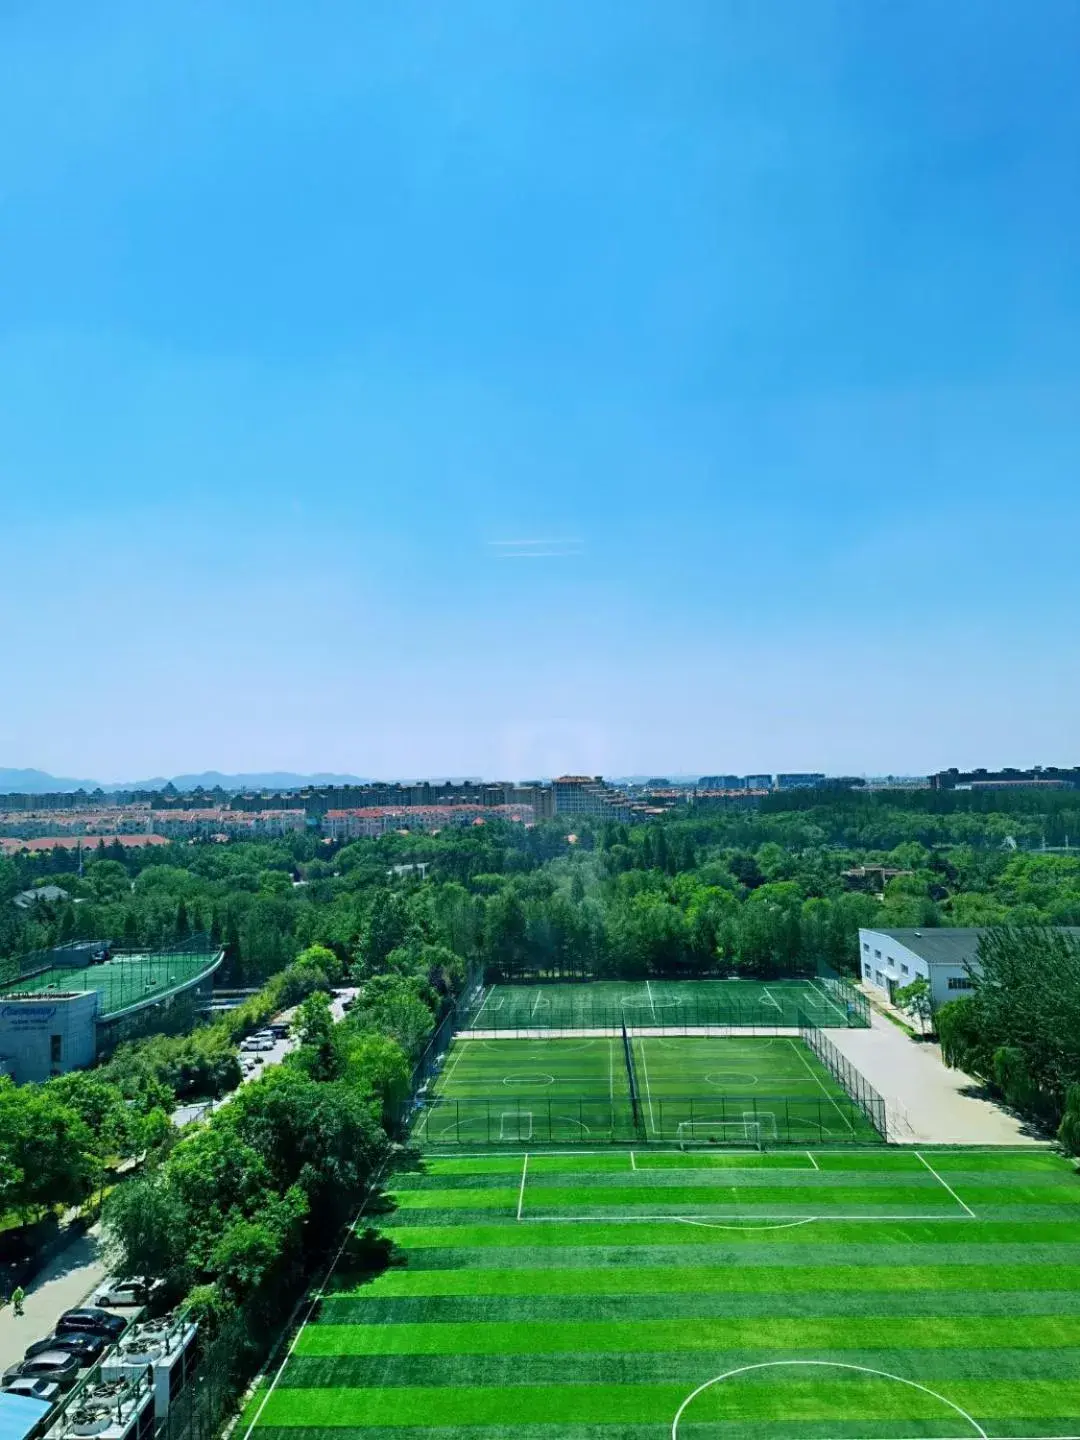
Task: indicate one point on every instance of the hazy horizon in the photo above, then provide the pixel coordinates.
(508, 390)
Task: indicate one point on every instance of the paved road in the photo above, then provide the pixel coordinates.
(926, 1099)
(65, 1282)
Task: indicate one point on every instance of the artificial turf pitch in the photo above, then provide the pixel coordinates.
(866, 1294)
(692, 1089)
(123, 981)
(666, 1004)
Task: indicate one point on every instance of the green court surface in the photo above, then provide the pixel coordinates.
(691, 1090)
(668, 1005)
(877, 1294)
(123, 981)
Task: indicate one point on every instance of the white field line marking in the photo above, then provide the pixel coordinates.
(317, 1296)
(648, 1087)
(536, 1002)
(813, 1162)
(453, 1067)
(611, 1071)
(751, 1220)
(521, 1192)
(771, 998)
(483, 1005)
(948, 1187)
(817, 1081)
(652, 1002)
(633, 1162)
(827, 1364)
(829, 1001)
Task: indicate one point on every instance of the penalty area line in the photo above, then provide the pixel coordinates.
(521, 1191)
(948, 1187)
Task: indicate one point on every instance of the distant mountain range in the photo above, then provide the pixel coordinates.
(39, 782)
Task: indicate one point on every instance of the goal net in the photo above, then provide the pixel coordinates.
(754, 1129)
(516, 1125)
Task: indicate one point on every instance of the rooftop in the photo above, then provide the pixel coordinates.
(941, 946)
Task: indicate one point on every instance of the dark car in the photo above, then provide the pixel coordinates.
(92, 1321)
(60, 1366)
(46, 1390)
(84, 1347)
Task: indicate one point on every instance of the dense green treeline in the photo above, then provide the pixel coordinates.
(1020, 1026)
(756, 893)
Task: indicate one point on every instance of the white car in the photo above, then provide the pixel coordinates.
(121, 1293)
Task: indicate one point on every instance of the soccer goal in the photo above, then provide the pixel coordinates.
(754, 1129)
(516, 1125)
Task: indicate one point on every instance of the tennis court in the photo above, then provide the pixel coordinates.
(669, 1005)
(733, 1090)
(867, 1294)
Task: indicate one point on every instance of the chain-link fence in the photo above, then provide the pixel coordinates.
(862, 1093)
(515, 1013)
(691, 1121)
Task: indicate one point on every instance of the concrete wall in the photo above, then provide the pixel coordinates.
(29, 1025)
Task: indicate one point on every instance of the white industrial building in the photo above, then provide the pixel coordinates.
(891, 959)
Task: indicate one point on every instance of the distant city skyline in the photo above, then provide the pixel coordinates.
(506, 389)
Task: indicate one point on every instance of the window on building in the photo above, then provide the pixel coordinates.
(866, 946)
(961, 982)
(877, 954)
(880, 978)
(903, 968)
(56, 1048)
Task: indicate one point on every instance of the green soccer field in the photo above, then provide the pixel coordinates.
(877, 1294)
(667, 1004)
(695, 1091)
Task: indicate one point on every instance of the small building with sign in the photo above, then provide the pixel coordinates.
(75, 1003)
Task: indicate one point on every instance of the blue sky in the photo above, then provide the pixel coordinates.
(758, 322)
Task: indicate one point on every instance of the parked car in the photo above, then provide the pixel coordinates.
(92, 1321)
(86, 1348)
(280, 1030)
(126, 1292)
(60, 1366)
(46, 1390)
(258, 1042)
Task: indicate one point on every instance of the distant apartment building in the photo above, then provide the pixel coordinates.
(759, 782)
(370, 821)
(86, 843)
(113, 820)
(1039, 778)
(206, 821)
(589, 795)
(722, 782)
(799, 780)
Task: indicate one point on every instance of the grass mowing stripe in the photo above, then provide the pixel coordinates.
(720, 1279)
(873, 1235)
(548, 1337)
(355, 1371)
(750, 1399)
(809, 1198)
(697, 1304)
